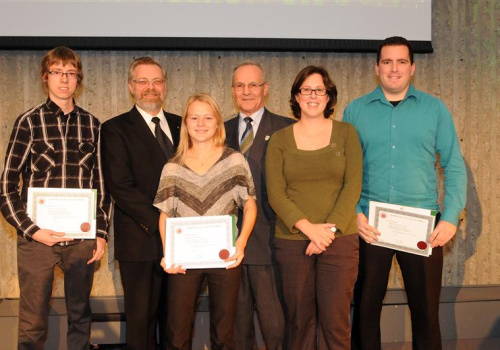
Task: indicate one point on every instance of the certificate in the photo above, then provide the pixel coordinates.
(68, 210)
(200, 242)
(403, 228)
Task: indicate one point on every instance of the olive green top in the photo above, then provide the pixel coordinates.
(321, 185)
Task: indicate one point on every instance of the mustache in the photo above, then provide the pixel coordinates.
(150, 91)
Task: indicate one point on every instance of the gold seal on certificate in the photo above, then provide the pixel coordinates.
(403, 228)
(68, 210)
(200, 242)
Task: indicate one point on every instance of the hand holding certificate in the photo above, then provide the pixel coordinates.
(68, 210)
(403, 228)
(200, 242)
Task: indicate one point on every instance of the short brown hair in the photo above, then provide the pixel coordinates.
(64, 55)
(331, 89)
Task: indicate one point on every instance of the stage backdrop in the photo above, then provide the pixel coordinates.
(464, 71)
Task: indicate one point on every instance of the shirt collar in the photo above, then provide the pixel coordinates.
(256, 117)
(378, 94)
(148, 117)
(54, 108)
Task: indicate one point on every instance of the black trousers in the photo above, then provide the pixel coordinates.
(183, 290)
(260, 290)
(36, 263)
(422, 279)
(141, 282)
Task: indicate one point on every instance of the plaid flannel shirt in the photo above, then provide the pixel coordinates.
(50, 149)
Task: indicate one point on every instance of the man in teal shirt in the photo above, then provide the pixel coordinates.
(402, 130)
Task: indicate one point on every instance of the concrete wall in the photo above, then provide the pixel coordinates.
(464, 71)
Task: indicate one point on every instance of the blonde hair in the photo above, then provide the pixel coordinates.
(148, 61)
(185, 142)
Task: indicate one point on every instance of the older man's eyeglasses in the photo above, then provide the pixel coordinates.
(145, 82)
(309, 91)
(58, 74)
(251, 86)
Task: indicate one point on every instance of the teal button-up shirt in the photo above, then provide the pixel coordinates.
(400, 146)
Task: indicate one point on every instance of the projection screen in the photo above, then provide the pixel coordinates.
(284, 25)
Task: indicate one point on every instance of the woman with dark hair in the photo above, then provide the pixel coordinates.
(205, 178)
(314, 172)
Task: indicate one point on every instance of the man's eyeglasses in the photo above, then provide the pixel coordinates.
(309, 91)
(58, 74)
(251, 86)
(154, 82)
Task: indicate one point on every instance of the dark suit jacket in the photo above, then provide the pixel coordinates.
(259, 247)
(132, 163)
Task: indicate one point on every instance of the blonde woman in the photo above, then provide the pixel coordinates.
(205, 178)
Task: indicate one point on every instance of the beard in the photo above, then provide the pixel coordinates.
(150, 104)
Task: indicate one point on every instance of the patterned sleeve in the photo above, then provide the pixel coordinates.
(103, 198)
(18, 152)
(166, 194)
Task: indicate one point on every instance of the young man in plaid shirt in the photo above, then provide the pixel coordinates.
(56, 145)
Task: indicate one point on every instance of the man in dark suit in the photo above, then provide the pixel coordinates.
(135, 147)
(249, 132)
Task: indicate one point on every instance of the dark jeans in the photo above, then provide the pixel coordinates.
(318, 289)
(183, 290)
(35, 262)
(422, 279)
(261, 290)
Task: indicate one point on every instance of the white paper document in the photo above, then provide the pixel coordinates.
(403, 228)
(68, 210)
(200, 242)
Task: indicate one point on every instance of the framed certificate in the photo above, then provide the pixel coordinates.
(403, 228)
(200, 242)
(68, 210)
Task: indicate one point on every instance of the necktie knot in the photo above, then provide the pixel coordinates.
(247, 137)
(156, 120)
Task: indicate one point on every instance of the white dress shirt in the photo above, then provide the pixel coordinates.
(256, 118)
(163, 122)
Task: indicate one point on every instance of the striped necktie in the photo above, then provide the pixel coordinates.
(247, 137)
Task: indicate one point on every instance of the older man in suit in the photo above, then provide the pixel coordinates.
(249, 132)
(135, 147)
